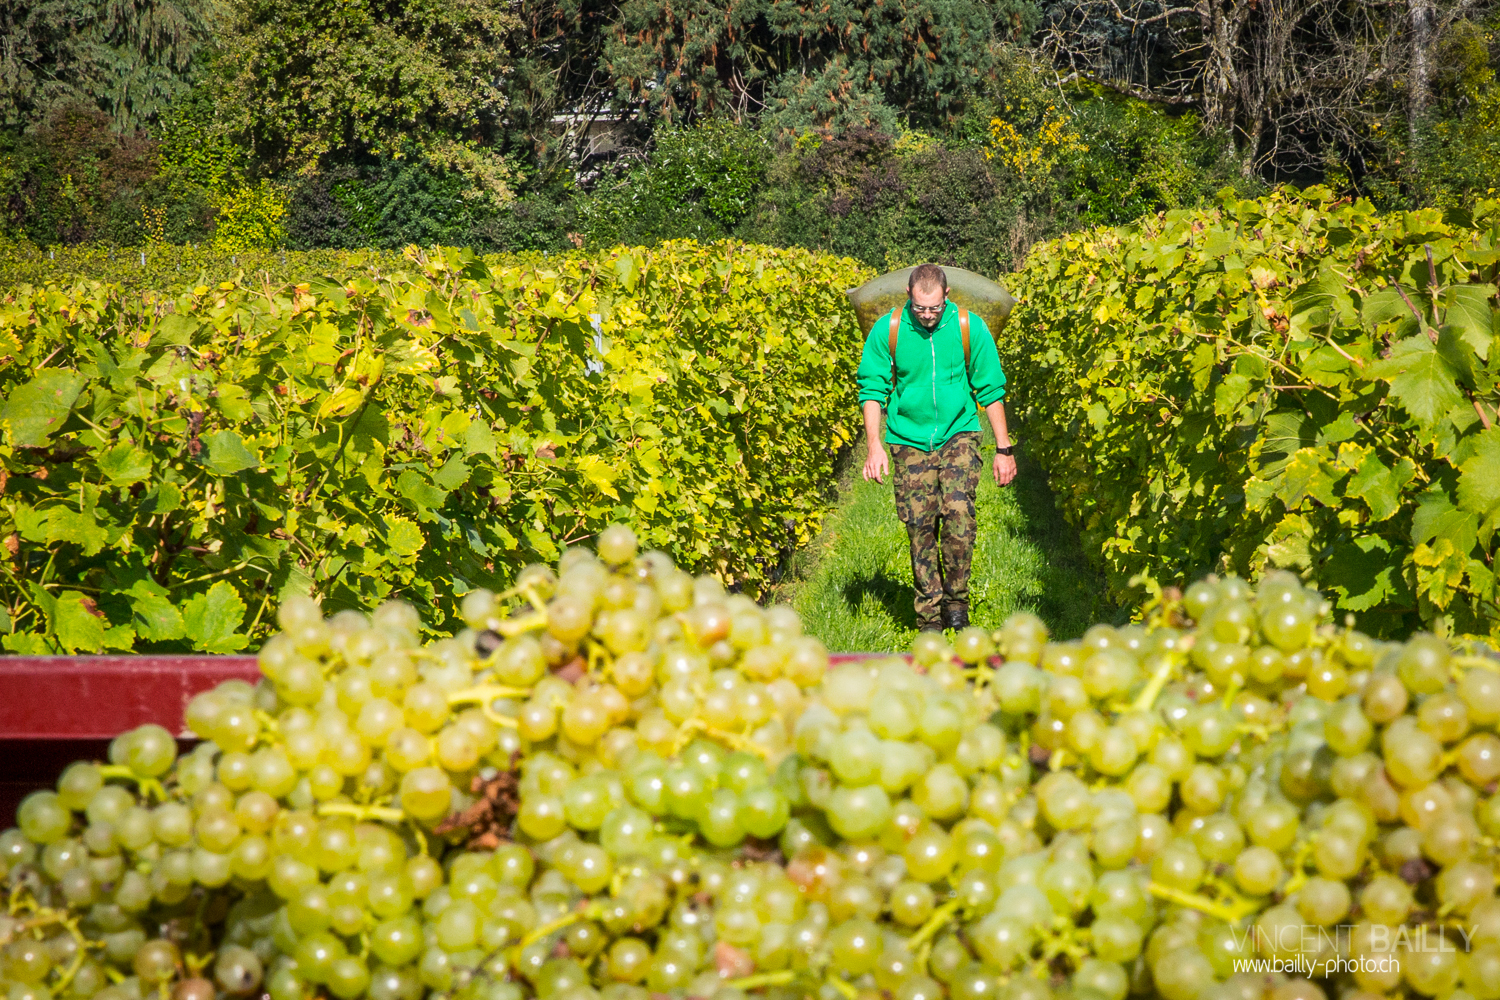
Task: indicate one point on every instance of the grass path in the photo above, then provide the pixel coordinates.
(853, 584)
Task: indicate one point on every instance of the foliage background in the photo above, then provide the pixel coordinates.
(174, 463)
(943, 129)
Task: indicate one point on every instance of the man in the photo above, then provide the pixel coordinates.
(933, 429)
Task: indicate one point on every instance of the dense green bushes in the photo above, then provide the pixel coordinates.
(1016, 174)
(1007, 175)
(1295, 382)
(173, 463)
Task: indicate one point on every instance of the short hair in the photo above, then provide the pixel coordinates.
(927, 276)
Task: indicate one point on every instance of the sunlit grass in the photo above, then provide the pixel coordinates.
(853, 585)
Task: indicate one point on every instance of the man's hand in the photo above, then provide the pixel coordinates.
(1005, 469)
(876, 464)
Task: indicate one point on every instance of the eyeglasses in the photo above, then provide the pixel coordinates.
(929, 310)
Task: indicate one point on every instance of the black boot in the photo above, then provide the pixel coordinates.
(956, 617)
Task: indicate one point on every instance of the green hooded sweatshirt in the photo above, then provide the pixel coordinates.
(934, 399)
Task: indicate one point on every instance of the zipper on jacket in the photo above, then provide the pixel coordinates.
(932, 433)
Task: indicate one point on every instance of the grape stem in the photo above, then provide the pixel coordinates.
(484, 694)
(527, 592)
(1147, 698)
(384, 814)
(1299, 867)
(939, 919)
(1063, 938)
(1238, 909)
(487, 692)
(19, 900)
(597, 654)
(736, 741)
(781, 978)
(147, 786)
(525, 623)
(551, 926)
(1481, 662)
(844, 987)
(45, 917)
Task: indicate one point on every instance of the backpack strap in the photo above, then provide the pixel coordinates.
(963, 328)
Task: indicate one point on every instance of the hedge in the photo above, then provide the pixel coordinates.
(1291, 382)
(176, 462)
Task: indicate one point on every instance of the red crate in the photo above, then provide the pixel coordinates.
(58, 709)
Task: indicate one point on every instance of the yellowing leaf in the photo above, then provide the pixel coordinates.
(601, 475)
(342, 403)
(403, 538)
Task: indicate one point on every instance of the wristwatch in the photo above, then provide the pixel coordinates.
(1008, 450)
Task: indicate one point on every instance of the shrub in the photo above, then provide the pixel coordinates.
(697, 183)
(250, 218)
(387, 203)
(1291, 382)
(75, 179)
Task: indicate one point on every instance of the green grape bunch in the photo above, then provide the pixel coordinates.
(620, 782)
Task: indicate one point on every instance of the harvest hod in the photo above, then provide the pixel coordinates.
(619, 780)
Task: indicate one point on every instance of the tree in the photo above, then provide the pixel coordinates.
(1292, 81)
(923, 58)
(559, 85)
(129, 58)
(315, 82)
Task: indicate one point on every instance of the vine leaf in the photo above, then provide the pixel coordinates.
(1437, 517)
(36, 410)
(600, 474)
(125, 464)
(1479, 483)
(1468, 309)
(210, 620)
(1361, 572)
(1308, 475)
(77, 623)
(403, 538)
(228, 455)
(1421, 380)
(422, 495)
(1374, 482)
(156, 619)
(1384, 305)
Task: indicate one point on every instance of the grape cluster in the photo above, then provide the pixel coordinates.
(623, 783)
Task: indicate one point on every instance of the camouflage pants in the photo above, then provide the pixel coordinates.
(935, 493)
